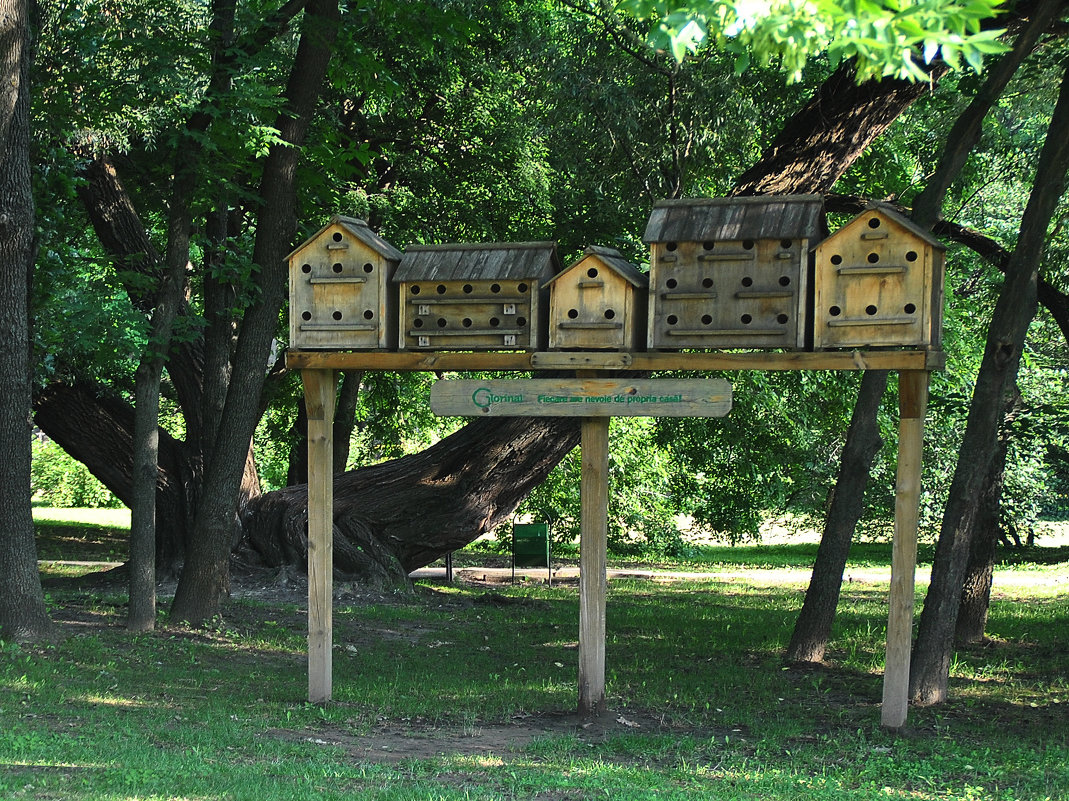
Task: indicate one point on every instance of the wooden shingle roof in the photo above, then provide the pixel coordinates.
(758, 217)
(359, 229)
(615, 261)
(486, 261)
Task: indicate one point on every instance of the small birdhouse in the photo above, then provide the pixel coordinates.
(598, 303)
(878, 281)
(731, 272)
(475, 297)
(340, 292)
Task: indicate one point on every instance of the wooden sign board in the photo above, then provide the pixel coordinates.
(578, 397)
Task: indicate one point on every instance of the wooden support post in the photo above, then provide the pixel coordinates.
(912, 402)
(594, 499)
(320, 387)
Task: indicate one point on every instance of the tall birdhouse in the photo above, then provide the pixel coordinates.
(475, 297)
(731, 272)
(598, 303)
(340, 292)
(878, 281)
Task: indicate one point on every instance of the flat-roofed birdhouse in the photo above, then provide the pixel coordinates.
(475, 296)
(340, 292)
(731, 272)
(878, 281)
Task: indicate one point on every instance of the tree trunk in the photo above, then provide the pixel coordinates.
(344, 423)
(1013, 313)
(22, 606)
(205, 577)
(98, 430)
(976, 589)
(819, 143)
(813, 627)
(394, 517)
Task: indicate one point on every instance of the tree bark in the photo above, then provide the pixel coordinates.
(812, 630)
(976, 587)
(22, 606)
(205, 578)
(820, 142)
(97, 429)
(394, 517)
(1014, 310)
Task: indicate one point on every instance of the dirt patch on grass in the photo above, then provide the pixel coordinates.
(390, 741)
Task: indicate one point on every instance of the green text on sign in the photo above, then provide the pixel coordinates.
(582, 397)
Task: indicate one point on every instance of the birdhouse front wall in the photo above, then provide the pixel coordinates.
(877, 283)
(472, 315)
(728, 294)
(593, 307)
(340, 294)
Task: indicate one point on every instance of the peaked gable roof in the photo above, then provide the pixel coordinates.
(896, 217)
(613, 259)
(733, 218)
(360, 230)
(484, 261)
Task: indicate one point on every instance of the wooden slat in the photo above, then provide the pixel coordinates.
(594, 501)
(319, 393)
(913, 399)
(710, 360)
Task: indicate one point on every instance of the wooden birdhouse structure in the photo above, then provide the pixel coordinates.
(475, 297)
(598, 303)
(878, 281)
(340, 292)
(731, 272)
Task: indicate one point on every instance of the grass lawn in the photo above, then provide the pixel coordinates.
(467, 691)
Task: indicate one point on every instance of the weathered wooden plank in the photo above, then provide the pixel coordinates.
(575, 397)
(913, 398)
(668, 360)
(593, 532)
(319, 392)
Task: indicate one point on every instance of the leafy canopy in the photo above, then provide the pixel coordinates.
(887, 38)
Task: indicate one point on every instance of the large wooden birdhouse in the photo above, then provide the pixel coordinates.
(340, 292)
(731, 272)
(878, 281)
(475, 297)
(598, 303)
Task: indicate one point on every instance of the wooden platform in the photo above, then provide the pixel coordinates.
(438, 361)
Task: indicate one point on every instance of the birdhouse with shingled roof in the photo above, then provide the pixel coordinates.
(598, 303)
(878, 281)
(475, 296)
(340, 292)
(731, 272)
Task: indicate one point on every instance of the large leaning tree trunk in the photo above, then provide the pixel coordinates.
(1014, 310)
(22, 604)
(393, 517)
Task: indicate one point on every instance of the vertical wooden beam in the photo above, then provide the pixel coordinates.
(594, 499)
(320, 388)
(912, 403)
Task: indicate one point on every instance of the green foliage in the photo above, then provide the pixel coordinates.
(776, 452)
(57, 479)
(642, 512)
(888, 38)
